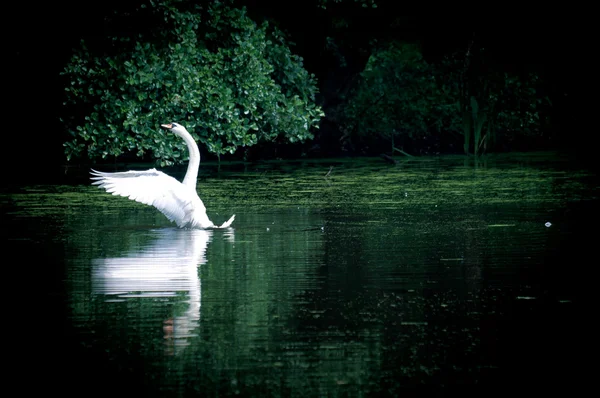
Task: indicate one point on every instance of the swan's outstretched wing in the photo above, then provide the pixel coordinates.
(151, 187)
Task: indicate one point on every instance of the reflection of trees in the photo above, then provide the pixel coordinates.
(397, 290)
(288, 323)
(254, 309)
(391, 292)
(246, 301)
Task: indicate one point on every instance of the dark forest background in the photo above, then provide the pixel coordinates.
(336, 43)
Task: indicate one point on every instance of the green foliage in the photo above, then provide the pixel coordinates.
(230, 82)
(398, 94)
(493, 101)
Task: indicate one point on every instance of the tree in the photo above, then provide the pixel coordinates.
(212, 69)
(493, 102)
(397, 95)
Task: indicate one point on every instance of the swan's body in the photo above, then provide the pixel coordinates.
(179, 202)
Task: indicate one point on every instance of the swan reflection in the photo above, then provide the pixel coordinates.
(166, 267)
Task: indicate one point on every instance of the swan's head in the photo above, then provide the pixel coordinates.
(176, 128)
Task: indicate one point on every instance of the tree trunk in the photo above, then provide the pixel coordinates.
(467, 129)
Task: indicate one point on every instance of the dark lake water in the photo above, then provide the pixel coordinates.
(371, 280)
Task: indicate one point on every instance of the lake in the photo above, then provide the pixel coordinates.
(343, 277)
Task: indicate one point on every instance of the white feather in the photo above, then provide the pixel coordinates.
(179, 202)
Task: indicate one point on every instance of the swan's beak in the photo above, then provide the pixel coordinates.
(167, 126)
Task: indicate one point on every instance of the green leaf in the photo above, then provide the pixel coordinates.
(235, 94)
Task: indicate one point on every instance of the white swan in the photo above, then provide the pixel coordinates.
(178, 201)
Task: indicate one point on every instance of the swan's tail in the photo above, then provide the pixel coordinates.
(228, 222)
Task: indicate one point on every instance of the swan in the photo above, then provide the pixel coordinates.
(178, 201)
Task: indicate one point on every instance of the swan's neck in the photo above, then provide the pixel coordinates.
(191, 176)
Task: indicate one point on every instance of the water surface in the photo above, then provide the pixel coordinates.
(368, 279)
